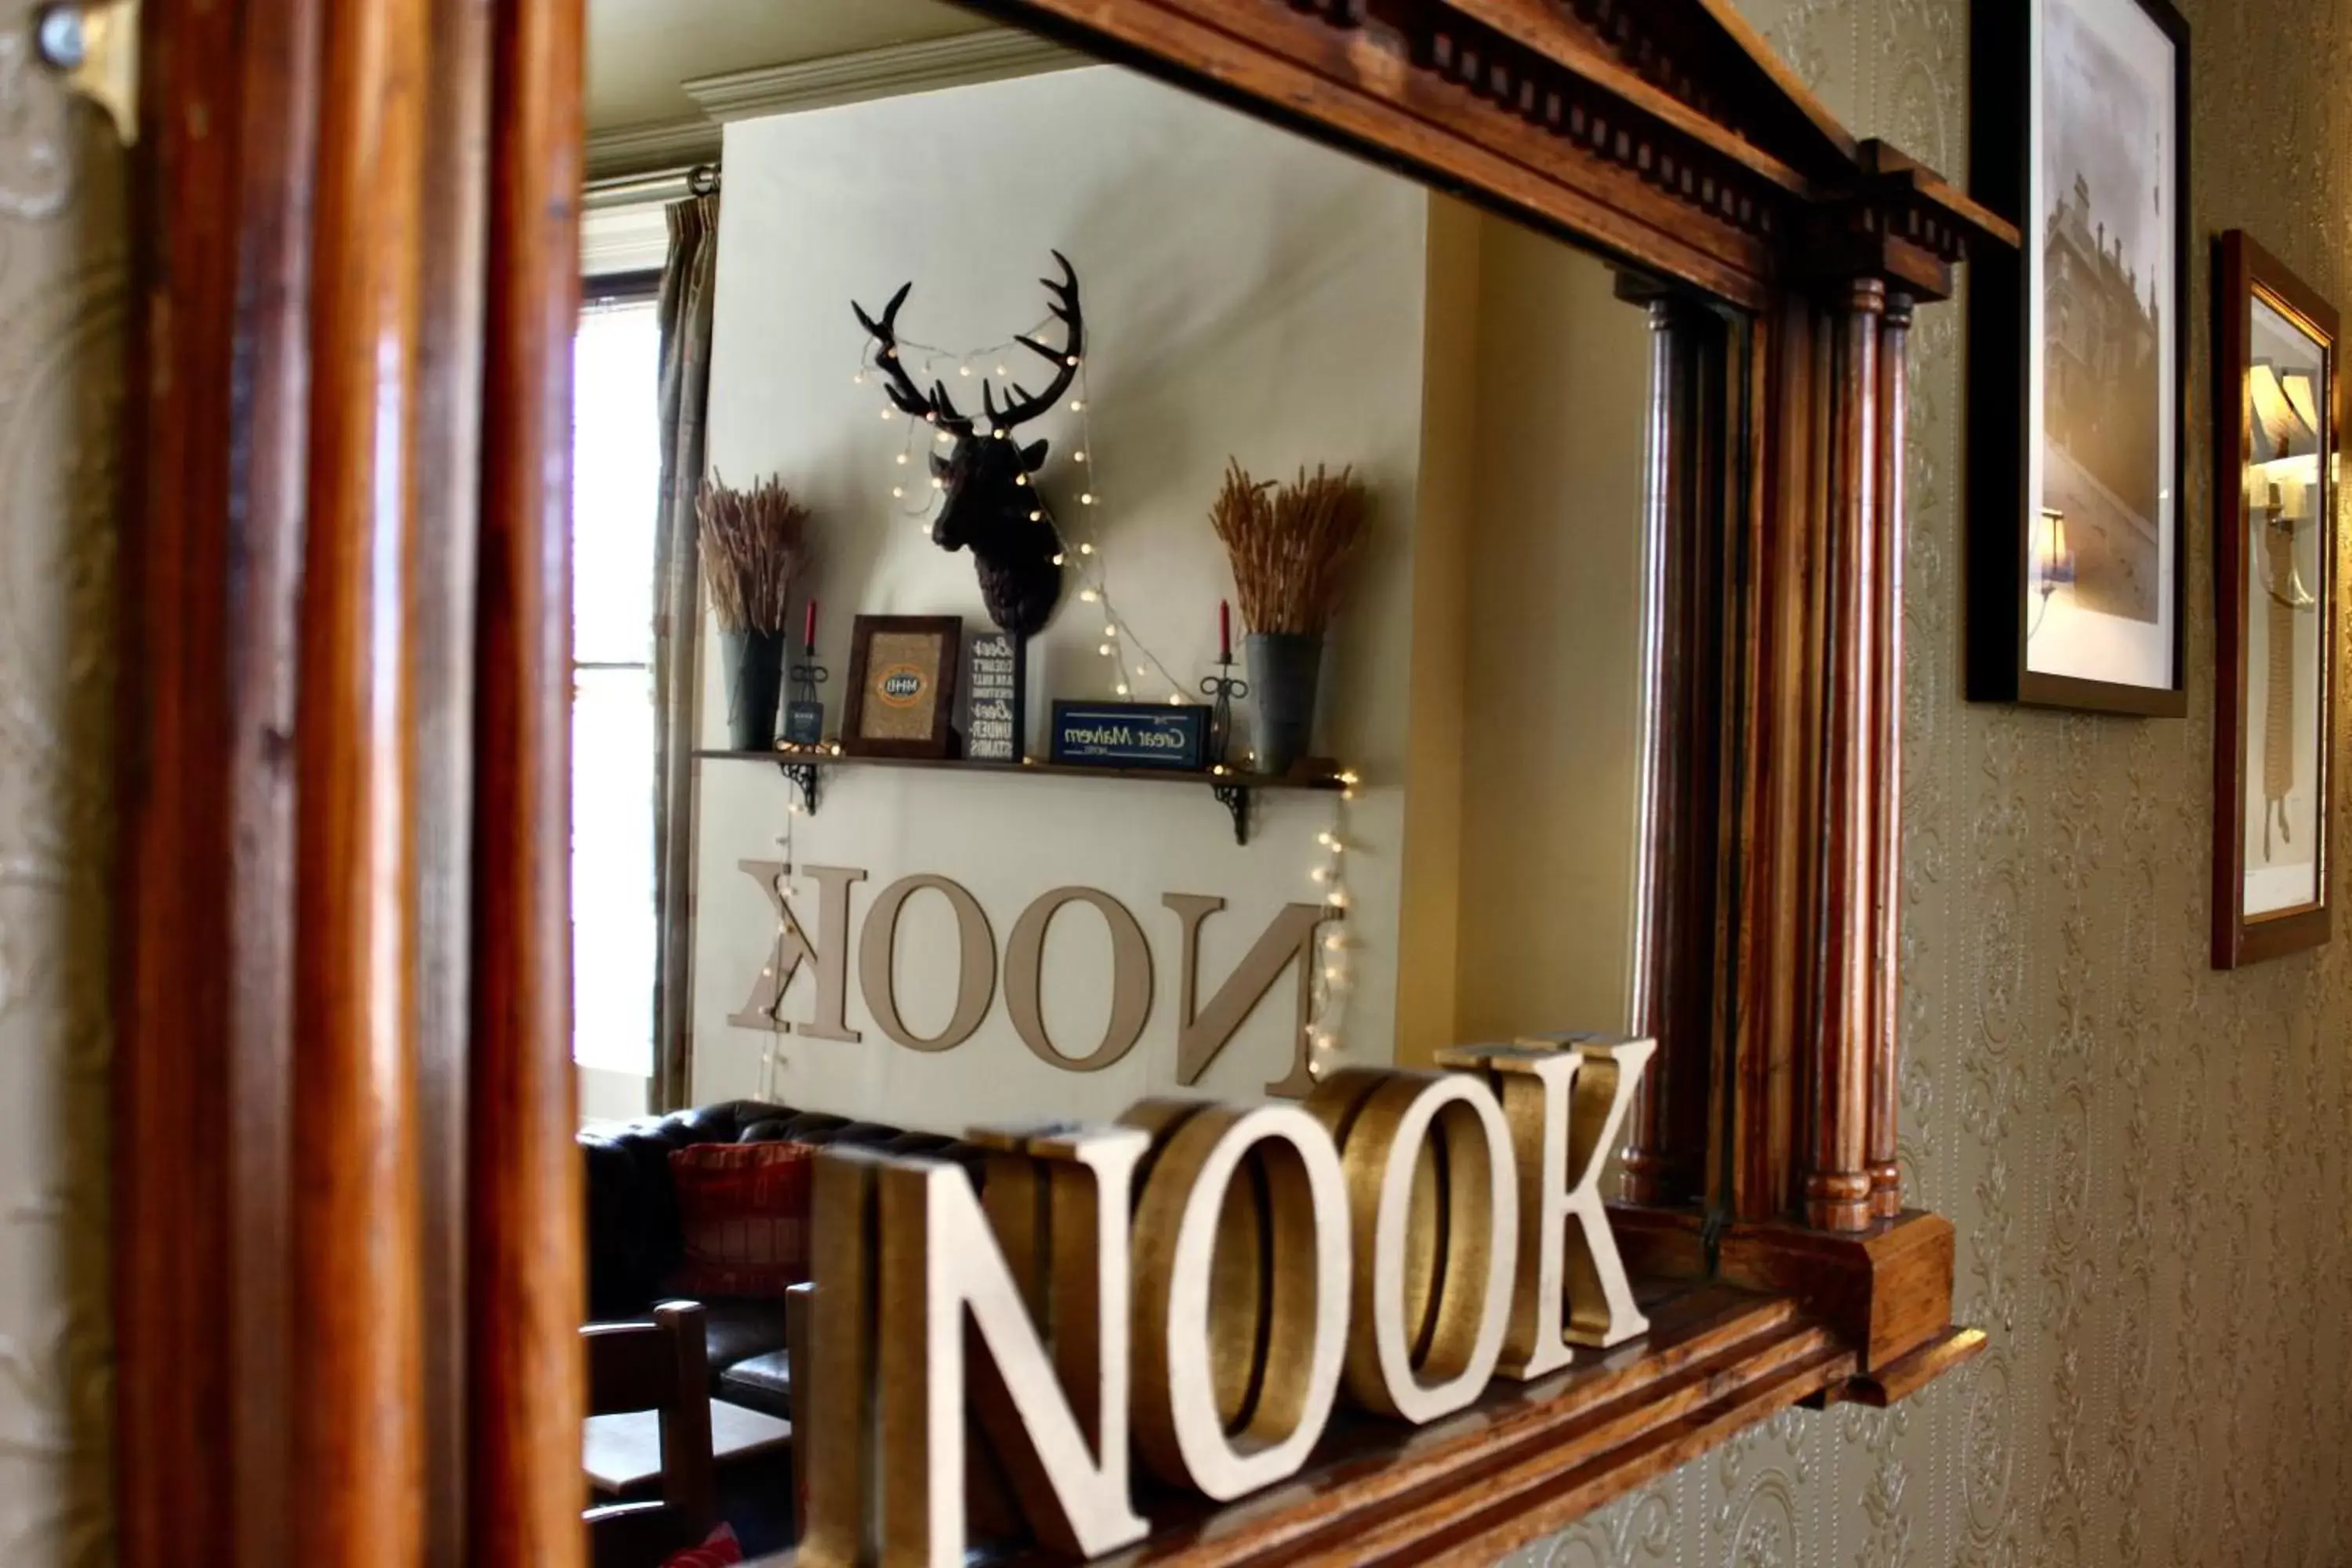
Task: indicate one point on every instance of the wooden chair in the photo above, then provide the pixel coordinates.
(800, 1303)
(660, 1367)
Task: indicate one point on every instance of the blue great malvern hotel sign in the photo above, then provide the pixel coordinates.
(1131, 735)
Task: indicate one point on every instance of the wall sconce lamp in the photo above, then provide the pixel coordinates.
(2285, 472)
(94, 46)
(2053, 562)
(2286, 434)
(2056, 564)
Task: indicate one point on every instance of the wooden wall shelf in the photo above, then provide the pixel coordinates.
(1232, 789)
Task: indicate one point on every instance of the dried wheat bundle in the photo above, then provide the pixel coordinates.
(754, 545)
(1289, 543)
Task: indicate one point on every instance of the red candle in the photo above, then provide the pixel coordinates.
(808, 628)
(1225, 632)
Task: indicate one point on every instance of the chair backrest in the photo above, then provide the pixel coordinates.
(800, 1304)
(661, 1366)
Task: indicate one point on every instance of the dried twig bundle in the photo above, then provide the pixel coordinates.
(1289, 544)
(754, 545)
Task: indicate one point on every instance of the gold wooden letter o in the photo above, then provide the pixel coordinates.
(1435, 1239)
(1301, 1344)
(1131, 979)
(878, 950)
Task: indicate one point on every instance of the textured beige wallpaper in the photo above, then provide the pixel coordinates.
(61, 315)
(2147, 1161)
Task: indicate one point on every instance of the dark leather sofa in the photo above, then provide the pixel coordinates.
(634, 1243)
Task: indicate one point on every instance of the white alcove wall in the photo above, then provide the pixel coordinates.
(1249, 294)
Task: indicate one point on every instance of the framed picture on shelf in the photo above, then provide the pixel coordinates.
(902, 686)
(997, 696)
(1131, 735)
(2078, 356)
(2275, 424)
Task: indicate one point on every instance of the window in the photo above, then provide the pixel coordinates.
(616, 481)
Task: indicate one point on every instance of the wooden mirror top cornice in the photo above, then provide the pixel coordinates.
(348, 1297)
(1665, 131)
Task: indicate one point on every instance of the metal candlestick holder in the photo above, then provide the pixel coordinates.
(1222, 690)
(804, 725)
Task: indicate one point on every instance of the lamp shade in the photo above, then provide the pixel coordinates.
(2285, 413)
(2302, 397)
(2056, 563)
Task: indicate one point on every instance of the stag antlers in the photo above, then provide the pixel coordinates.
(1067, 311)
(939, 408)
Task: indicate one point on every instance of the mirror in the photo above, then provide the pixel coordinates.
(931, 816)
(2275, 759)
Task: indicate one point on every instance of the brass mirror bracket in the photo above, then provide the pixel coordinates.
(94, 46)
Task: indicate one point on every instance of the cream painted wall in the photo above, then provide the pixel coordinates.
(1551, 689)
(1249, 295)
(1526, 656)
(1426, 988)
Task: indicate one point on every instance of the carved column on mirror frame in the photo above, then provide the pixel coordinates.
(1886, 1027)
(1837, 1182)
(1674, 940)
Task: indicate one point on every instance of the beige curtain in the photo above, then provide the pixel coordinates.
(687, 286)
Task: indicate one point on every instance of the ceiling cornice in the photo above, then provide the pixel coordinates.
(995, 54)
(664, 144)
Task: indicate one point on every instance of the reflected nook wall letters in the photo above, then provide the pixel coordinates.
(1287, 943)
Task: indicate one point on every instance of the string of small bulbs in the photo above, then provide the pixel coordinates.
(771, 1056)
(1119, 642)
(1331, 975)
(1334, 966)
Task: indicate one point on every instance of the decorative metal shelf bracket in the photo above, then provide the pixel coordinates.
(804, 775)
(1235, 798)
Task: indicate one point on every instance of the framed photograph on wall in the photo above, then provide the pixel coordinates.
(2078, 356)
(902, 686)
(2275, 423)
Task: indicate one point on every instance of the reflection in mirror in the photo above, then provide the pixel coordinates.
(618, 469)
(2287, 497)
(948, 780)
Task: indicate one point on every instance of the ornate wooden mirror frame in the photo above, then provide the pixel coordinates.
(348, 1302)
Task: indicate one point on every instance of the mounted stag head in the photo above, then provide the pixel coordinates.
(991, 507)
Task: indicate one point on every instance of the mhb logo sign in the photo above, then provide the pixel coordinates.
(902, 685)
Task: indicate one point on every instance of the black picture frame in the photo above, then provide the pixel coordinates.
(2008, 592)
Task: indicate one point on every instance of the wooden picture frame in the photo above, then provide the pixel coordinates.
(918, 659)
(2276, 418)
(348, 1298)
(2077, 565)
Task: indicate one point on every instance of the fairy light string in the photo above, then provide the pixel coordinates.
(915, 492)
(1333, 975)
(771, 1057)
